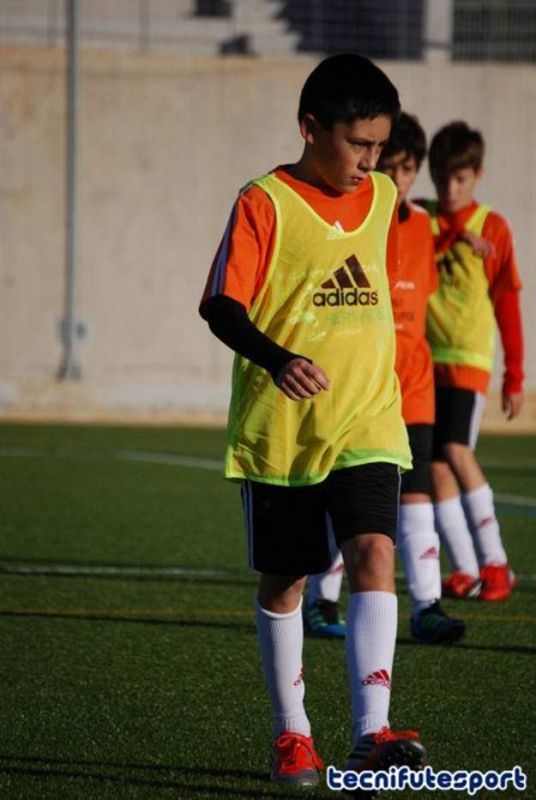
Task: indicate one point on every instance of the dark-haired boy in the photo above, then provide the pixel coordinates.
(417, 540)
(479, 286)
(299, 290)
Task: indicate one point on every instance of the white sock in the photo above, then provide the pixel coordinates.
(370, 646)
(481, 512)
(327, 585)
(418, 545)
(281, 642)
(455, 535)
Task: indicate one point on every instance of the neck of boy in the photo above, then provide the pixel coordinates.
(458, 217)
(303, 171)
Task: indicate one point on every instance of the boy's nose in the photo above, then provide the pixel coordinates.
(451, 189)
(397, 177)
(370, 158)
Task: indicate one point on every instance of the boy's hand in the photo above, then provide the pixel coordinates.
(299, 379)
(512, 404)
(481, 247)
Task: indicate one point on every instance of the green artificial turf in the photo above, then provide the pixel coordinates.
(136, 673)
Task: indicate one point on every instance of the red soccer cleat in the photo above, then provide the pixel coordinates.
(387, 748)
(295, 760)
(497, 582)
(460, 585)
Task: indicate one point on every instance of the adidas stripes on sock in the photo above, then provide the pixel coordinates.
(454, 531)
(280, 639)
(370, 645)
(418, 545)
(480, 510)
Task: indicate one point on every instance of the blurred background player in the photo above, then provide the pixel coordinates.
(306, 446)
(417, 540)
(479, 286)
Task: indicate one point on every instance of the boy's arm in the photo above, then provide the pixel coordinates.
(295, 375)
(508, 316)
(229, 321)
(237, 273)
(505, 284)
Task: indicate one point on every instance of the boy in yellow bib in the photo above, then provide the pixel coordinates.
(299, 290)
(479, 286)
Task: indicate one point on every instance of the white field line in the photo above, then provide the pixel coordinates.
(115, 571)
(516, 500)
(195, 462)
(119, 571)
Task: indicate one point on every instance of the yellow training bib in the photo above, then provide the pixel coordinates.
(460, 325)
(326, 297)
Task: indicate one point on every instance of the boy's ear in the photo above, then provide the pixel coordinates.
(309, 128)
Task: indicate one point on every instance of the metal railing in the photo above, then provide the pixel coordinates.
(479, 30)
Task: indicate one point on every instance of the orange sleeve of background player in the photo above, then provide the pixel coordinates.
(501, 265)
(505, 284)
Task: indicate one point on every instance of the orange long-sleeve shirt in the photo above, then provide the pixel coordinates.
(417, 279)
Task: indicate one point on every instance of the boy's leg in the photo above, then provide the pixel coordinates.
(280, 522)
(280, 635)
(477, 499)
(418, 546)
(371, 629)
(454, 531)
(321, 608)
(363, 505)
(455, 416)
(476, 494)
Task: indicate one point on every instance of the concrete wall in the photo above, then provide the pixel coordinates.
(165, 144)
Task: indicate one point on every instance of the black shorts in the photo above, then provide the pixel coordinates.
(287, 527)
(418, 479)
(458, 414)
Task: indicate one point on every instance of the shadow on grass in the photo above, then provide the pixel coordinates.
(521, 649)
(87, 616)
(163, 776)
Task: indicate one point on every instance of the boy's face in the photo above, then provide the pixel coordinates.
(342, 157)
(455, 191)
(403, 170)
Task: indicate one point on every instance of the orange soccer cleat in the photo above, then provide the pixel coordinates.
(497, 582)
(460, 585)
(295, 760)
(387, 748)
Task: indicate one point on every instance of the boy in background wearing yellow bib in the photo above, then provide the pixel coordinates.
(299, 290)
(479, 286)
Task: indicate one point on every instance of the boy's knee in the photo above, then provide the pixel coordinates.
(280, 594)
(465, 467)
(440, 471)
(377, 552)
(369, 560)
(458, 455)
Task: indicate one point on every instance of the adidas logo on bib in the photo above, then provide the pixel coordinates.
(348, 287)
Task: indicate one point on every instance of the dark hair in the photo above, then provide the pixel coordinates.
(407, 137)
(455, 146)
(347, 87)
